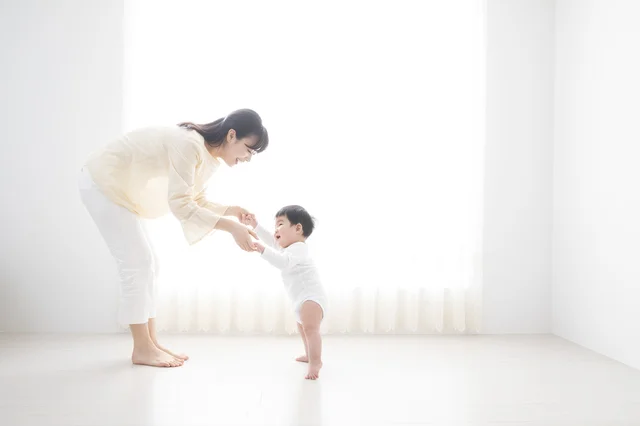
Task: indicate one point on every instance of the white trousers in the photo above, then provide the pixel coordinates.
(128, 241)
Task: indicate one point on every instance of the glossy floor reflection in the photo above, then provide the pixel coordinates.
(477, 380)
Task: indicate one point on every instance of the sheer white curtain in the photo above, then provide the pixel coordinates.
(375, 114)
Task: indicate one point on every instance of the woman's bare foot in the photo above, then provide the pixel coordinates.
(314, 371)
(154, 338)
(182, 357)
(302, 358)
(154, 357)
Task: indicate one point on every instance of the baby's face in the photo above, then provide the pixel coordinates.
(287, 234)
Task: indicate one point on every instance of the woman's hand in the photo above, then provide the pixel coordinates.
(243, 235)
(237, 212)
(249, 220)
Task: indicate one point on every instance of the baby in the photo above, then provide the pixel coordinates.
(287, 250)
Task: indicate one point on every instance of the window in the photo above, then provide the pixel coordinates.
(375, 112)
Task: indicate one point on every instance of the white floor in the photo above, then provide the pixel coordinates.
(475, 380)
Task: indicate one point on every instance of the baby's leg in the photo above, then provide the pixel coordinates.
(305, 357)
(311, 317)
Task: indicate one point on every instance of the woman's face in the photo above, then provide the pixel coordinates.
(236, 151)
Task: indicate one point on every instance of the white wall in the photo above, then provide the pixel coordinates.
(517, 250)
(64, 99)
(596, 290)
(61, 97)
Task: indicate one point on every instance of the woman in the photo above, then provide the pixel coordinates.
(147, 173)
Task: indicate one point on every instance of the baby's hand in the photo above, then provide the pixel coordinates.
(257, 246)
(250, 220)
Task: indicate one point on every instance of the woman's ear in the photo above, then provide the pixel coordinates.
(231, 135)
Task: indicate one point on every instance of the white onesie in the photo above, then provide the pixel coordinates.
(299, 273)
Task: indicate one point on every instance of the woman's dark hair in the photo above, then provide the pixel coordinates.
(245, 122)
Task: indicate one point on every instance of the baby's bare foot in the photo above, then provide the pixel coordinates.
(154, 357)
(183, 357)
(302, 358)
(314, 371)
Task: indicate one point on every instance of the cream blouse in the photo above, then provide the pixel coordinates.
(156, 170)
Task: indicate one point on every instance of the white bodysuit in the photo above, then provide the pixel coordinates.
(299, 273)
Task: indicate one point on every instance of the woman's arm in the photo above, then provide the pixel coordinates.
(237, 212)
(263, 234)
(231, 211)
(198, 216)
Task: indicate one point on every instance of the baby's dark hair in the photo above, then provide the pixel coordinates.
(298, 215)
